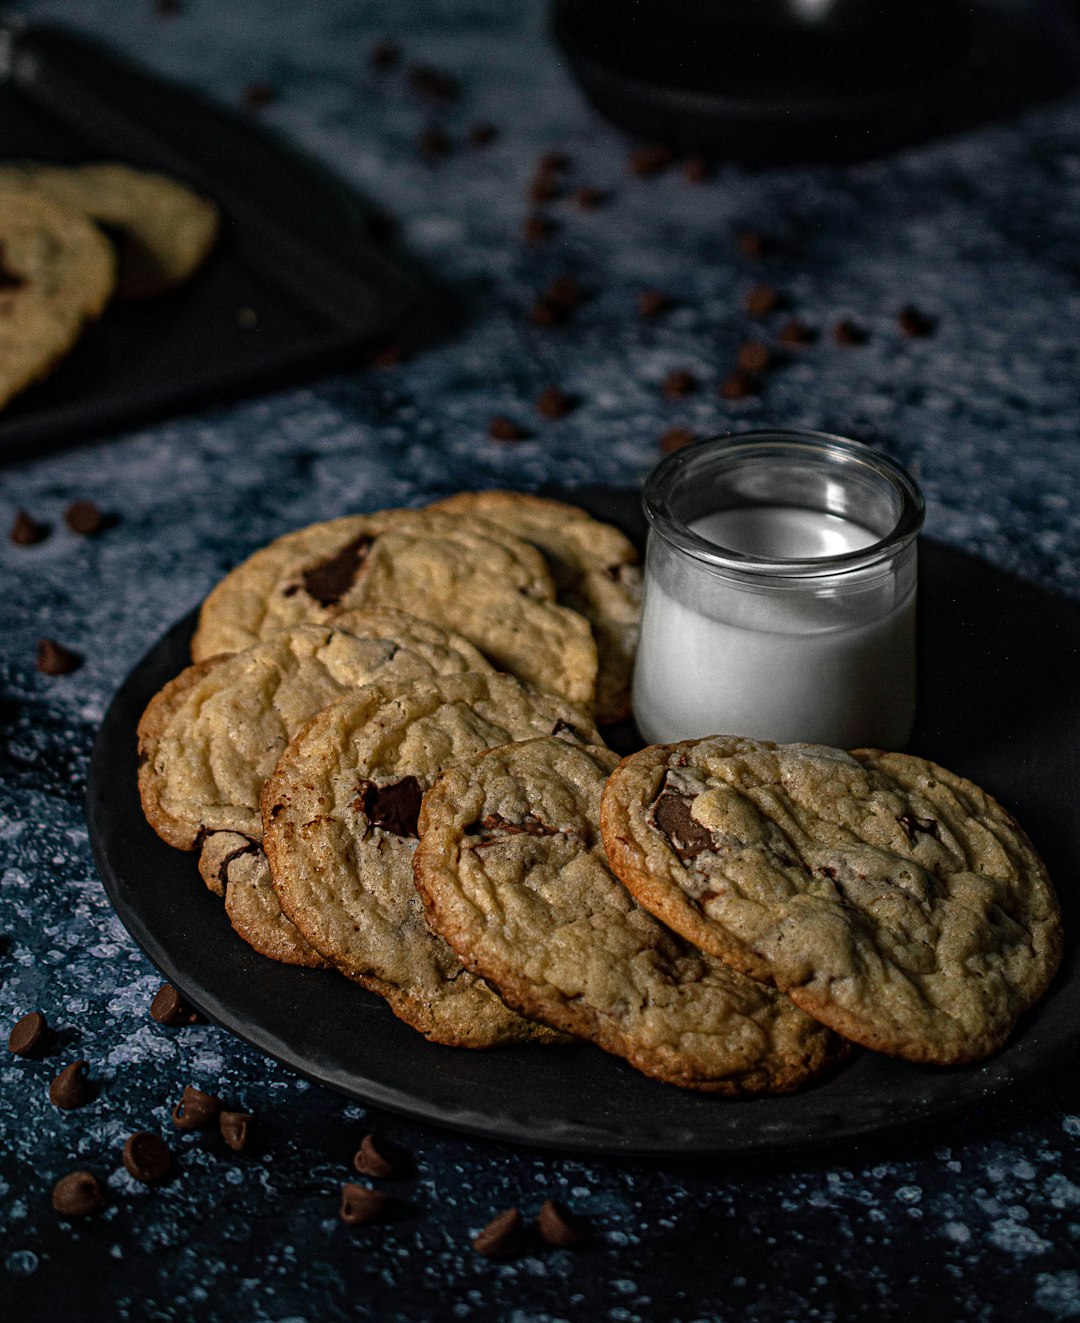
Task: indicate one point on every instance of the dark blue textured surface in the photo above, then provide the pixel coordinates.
(981, 1220)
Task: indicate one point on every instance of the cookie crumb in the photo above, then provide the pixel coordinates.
(54, 659)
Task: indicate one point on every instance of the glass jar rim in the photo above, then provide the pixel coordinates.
(663, 481)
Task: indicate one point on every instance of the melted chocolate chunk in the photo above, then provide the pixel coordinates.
(671, 817)
(394, 807)
(330, 580)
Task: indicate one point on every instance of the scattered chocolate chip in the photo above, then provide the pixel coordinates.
(196, 1110)
(361, 1205)
(559, 1227)
(696, 169)
(505, 429)
(30, 1035)
(435, 143)
(796, 334)
(78, 1195)
(483, 133)
(378, 1159)
(384, 55)
(554, 403)
(555, 162)
(54, 659)
(537, 228)
(675, 438)
(761, 300)
(147, 1157)
(589, 198)
(258, 95)
(739, 385)
(434, 83)
(670, 815)
(677, 384)
(236, 1129)
(501, 1237)
(754, 356)
(386, 355)
(752, 243)
(25, 530)
(650, 159)
(653, 303)
(913, 825)
(84, 517)
(332, 578)
(564, 292)
(394, 807)
(170, 1009)
(71, 1088)
(915, 323)
(546, 314)
(847, 332)
(544, 188)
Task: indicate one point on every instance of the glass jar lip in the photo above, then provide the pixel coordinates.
(660, 485)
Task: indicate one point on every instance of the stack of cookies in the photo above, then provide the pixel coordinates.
(387, 755)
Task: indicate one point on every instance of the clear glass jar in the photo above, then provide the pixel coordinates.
(780, 584)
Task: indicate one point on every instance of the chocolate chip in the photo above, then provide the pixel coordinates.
(501, 1237)
(696, 169)
(361, 1205)
(554, 403)
(71, 1088)
(502, 428)
(554, 162)
(675, 438)
(434, 83)
(26, 531)
(394, 807)
(236, 1129)
(170, 1009)
(913, 825)
(671, 817)
(565, 292)
(559, 1227)
(847, 332)
(259, 94)
(537, 228)
(546, 314)
(796, 333)
(147, 1157)
(678, 384)
(54, 659)
(196, 1110)
(332, 578)
(544, 188)
(739, 385)
(591, 199)
(752, 243)
(652, 303)
(754, 356)
(915, 323)
(435, 143)
(384, 55)
(78, 1195)
(30, 1036)
(761, 300)
(376, 1158)
(84, 517)
(649, 159)
(483, 134)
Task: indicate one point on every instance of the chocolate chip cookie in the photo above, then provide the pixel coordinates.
(514, 833)
(891, 899)
(340, 828)
(596, 571)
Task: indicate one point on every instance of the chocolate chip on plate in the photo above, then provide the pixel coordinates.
(649, 159)
(78, 1195)
(84, 517)
(30, 1036)
(54, 659)
(847, 332)
(196, 1110)
(760, 300)
(501, 1236)
(677, 384)
(696, 169)
(483, 133)
(26, 531)
(559, 1227)
(71, 1088)
(147, 1157)
(754, 356)
(502, 428)
(914, 322)
(170, 1009)
(652, 303)
(236, 1129)
(589, 198)
(384, 55)
(739, 385)
(675, 438)
(376, 1158)
(537, 228)
(554, 403)
(361, 1205)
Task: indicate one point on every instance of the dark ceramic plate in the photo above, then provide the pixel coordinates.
(1000, 703)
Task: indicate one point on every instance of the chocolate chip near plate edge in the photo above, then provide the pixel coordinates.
(501, 1236)
(671, 817)
(236, 1129)
(394, 807)
(26, 531)
(376, 1158)
(361, 1205)
(739, 385)
(754, 356)
(674, 438)
(71, 1088)
(84, 517)
(147, 1157)
(331, 579)
(54, 659)
(677, 384)
(29, 1036)
(196, 1109)
(558, 1227)
(170, 1009)
(78, 1194)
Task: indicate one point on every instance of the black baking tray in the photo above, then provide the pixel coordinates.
(296, 249)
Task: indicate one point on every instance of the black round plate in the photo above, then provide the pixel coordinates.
(999, 703)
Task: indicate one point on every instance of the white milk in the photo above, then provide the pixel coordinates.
(784, 661)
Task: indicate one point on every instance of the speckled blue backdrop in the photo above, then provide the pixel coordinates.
(980, 1220)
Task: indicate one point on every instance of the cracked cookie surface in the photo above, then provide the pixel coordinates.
(513, 874)
(891, 899)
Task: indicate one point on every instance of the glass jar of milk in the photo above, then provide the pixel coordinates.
(779, 593)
